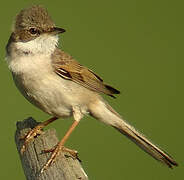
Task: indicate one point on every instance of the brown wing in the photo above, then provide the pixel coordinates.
(66, 67)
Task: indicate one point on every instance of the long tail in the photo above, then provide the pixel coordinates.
(104, 112)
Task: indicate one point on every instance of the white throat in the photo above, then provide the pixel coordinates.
(44, 44)
(32, 56)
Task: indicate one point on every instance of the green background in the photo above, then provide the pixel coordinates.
(137, 47)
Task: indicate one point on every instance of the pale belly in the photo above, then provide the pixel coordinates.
(53, 94)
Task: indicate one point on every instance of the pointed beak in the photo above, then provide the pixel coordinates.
(57, 30)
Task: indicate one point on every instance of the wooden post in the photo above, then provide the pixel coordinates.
(33, 159)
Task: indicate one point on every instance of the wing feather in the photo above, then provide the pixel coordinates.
(68, 68)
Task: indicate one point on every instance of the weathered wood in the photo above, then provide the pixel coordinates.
(33, 159)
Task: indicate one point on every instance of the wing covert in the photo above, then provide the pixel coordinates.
(68, 68)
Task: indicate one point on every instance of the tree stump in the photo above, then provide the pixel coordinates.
(33, 159)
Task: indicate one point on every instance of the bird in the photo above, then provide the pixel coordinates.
(56, 83)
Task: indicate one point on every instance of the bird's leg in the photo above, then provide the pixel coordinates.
(34, 132)
(60, 147)
(77, 114)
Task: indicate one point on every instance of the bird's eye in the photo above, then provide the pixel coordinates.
(34, 31)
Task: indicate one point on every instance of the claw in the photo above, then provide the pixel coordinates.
(72, 152)
(35, 132)
(55, 152)
(29, 136)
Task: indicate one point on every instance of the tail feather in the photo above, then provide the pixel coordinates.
(147, 146)
(103, 112)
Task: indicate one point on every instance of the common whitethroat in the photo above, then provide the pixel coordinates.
(56, 83)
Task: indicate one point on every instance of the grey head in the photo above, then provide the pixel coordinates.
(32, 22)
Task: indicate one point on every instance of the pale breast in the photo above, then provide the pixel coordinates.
(36, 80)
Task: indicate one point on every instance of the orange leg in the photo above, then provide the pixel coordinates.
(35, 131)
(60, 147)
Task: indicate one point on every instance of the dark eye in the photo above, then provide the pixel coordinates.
(34, 31)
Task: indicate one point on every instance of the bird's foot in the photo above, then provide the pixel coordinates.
(55, 152)
(30, 136)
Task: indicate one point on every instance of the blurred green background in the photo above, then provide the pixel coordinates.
(137, 47)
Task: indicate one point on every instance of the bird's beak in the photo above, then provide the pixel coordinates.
(57, 30)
